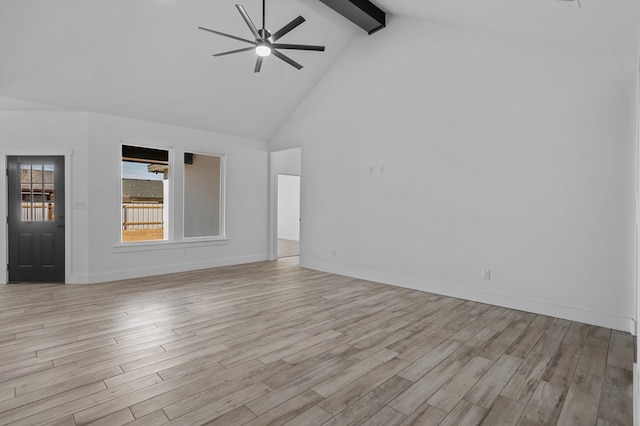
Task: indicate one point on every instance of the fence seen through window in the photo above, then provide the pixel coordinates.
(145, 177)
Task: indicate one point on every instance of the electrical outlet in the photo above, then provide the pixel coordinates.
(370, 170)
(486, 274)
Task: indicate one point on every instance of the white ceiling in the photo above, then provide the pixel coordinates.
(613, 24)
(146, 59)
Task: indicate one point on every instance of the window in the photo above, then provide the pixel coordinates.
(145, 189)
(203, 196)
(38, 192)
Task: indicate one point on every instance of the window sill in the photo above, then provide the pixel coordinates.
(169, 245)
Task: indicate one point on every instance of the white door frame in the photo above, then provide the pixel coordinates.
(274, 170)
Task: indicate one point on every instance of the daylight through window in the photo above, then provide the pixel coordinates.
(145, 186)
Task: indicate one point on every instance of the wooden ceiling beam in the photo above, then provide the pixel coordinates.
(361, 12)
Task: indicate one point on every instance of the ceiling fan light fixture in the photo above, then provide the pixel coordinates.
(264, 42)
(263, 50)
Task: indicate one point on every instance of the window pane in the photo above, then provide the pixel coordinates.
(37, 187)
(145, 177)
(202, 200)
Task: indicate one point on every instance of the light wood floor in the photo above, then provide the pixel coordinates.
(271, 343)
(288, 248)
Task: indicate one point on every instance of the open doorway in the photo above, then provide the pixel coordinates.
(288, 213)
(286, 233)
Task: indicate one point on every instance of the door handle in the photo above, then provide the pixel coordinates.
(60, 226)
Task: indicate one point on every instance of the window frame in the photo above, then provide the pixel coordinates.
(175, 206)
(222, 206)
(167, 204)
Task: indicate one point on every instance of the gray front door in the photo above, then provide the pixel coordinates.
(36, 218)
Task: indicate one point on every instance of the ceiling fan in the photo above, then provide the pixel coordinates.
(265, 41)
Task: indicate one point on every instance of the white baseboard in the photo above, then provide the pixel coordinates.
(77, 279)
(169, 269)
(602, 319)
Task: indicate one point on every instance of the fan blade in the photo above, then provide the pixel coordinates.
(282, 31)
(227, 35)
(234, 51)
(246, 18)
(286, 59)
(258, 64)
(298, 47)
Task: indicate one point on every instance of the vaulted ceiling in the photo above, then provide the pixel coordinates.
(146, 59)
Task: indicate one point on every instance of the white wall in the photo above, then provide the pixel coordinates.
(92, 143)
(246, 200)
(432, 151)
(287, 161)
(52, 133)
(289, 207)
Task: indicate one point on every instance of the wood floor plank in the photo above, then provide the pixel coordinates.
(276, 397)
(526, 341)
(526, 379)
(287, 410)
(464, 414)
(335, 383)
(620, 350)
(505, 412)
(213, 379)
(214, 409)
(420, 391)
(427, 341)
(93, 407)
(370, 403)
(118, 418)
(8, 393)
(238, 416)
(565, 361)
(583, 398)
(616, 406)
(452, 392)
(294, 348)
(487, 389)
(274, 343)
(164, 362)
(16, 374)
(49, 408)
(32, 392)
(65, 421)
(24, 378)
(544, 406)
(387, 416)
(500, 343)
(314, 416)
(347, 395)
(432, 358)
(157, 418)
(425, 415)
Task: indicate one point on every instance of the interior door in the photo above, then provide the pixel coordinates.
(36, 218)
